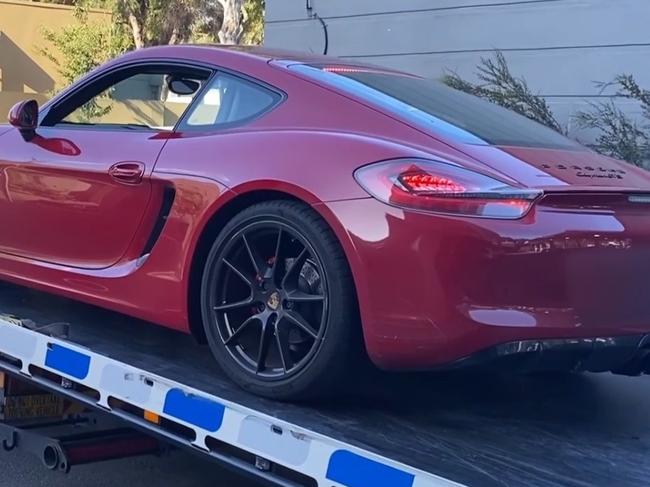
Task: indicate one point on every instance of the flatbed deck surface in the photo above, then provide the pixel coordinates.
(476, 429)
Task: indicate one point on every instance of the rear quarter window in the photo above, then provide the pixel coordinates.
(229, 100)
(441, 109)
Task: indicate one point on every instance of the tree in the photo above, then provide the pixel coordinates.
(79, 48)
(618, 134)
(254, 22)
(156, 22)
(73, 3)
(500, 86)
(232, 26)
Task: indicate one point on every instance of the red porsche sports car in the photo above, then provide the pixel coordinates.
(291, 209)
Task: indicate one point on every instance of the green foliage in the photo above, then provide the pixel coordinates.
(254, 22)
(85, 3)
(619, 135)
(155, 22)
(79, 48)
(629, 88)
(500, 86)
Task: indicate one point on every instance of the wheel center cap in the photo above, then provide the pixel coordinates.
(273, 301)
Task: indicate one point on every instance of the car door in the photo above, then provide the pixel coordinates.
(77, 193)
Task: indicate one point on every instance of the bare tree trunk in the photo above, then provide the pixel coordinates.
(233, 20)
(175, 37)
(138, 39)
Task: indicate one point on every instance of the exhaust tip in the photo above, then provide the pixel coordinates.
(51, 457)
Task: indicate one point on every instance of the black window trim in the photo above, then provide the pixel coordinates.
(75, 89)
(183, 127)
(214, 70)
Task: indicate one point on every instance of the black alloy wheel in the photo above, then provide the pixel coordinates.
(267, 300)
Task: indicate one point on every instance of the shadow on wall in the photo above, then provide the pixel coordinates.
(20, 76)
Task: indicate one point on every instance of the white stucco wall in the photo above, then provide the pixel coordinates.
(561, 47)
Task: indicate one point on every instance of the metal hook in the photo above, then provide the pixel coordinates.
(10, 444)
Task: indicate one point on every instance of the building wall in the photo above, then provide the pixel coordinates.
(561, 47)
(24, 72)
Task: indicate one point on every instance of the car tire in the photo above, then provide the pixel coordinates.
(324, 279)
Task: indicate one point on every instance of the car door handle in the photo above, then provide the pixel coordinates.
(127, 172)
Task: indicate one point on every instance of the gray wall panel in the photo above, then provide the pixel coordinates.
(561, 47)
(282, 10)
(551, 73)
(521, 26)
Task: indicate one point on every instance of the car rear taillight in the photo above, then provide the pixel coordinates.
(444, 188)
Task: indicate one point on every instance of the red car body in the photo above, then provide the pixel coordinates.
(431, 288)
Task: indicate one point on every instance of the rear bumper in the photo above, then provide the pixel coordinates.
(629, 355)
(435, 289)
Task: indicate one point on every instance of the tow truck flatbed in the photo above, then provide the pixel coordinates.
(470, 428)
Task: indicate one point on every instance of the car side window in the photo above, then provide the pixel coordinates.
(154, 99)
(228, 100)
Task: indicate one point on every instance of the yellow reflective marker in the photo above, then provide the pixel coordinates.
(151, 417)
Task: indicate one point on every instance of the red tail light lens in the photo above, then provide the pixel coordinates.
(421, 182)
(444, 188)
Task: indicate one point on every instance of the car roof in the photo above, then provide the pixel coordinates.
(268, 54)
(251, 53)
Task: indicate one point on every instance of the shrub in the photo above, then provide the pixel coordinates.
(618, 135)
(500, 86)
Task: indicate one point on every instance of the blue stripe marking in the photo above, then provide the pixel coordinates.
(68, 361)
(194, 410)
(353, 470)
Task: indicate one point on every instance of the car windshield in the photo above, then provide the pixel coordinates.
(440, 109)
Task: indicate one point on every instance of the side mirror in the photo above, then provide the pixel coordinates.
(183, 86)
(24, 116)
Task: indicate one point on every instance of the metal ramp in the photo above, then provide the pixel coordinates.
(398, 430)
